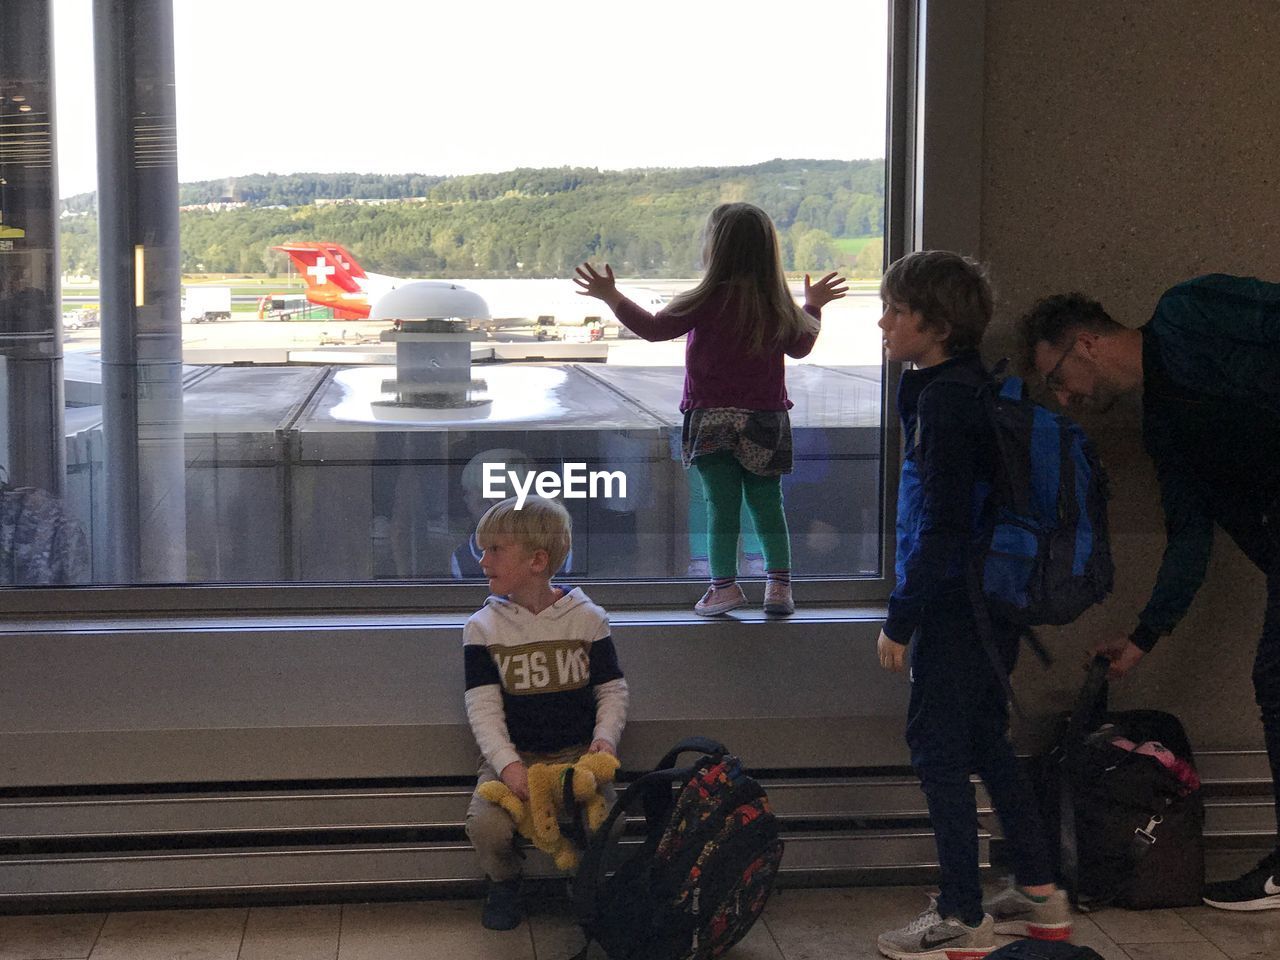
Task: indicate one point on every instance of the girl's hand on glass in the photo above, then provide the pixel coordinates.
(831, 287)
(593, 284)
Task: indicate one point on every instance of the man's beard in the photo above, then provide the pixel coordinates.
(1104, 400)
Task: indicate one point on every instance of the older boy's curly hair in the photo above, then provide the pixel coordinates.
(950, 292)
(540, 524)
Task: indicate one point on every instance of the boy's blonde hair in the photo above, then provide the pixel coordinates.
(541, 524)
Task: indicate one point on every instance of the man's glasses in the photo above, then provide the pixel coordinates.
(1053, 379)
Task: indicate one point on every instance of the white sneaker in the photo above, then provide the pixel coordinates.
(1016, 913)
(933, 937)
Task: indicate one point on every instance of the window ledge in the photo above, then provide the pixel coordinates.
(295, 621)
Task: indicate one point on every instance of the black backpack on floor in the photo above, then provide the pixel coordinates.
(1043, 950)
(1129, 832)
(704, 872)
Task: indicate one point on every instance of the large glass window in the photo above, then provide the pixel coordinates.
(334, 418)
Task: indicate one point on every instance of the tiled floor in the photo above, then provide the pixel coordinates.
(798, 925)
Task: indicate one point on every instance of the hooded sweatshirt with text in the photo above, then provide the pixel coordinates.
(540, 683)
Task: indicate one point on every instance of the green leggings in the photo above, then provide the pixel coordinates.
(727, 484)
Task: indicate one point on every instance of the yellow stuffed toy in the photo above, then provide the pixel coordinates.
(536, 821)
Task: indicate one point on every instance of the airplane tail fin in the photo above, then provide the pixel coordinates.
(323, 264)
(344, 260)
(332, 276)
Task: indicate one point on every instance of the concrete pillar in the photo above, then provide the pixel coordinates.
(140, 290)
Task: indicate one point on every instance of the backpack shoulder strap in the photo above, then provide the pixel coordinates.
(965, 374)
(591, 870)
(691, 745)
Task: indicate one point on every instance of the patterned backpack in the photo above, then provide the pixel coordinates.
(704, 872)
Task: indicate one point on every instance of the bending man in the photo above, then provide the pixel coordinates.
(1207, 365)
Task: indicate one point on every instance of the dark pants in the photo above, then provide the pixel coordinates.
(1257, 533)
(1266, 665)
(1266, 682)
(958, 724)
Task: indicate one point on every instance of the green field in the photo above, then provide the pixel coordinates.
(851, 246)
(242, 286)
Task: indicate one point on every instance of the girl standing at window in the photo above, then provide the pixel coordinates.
(741, 322)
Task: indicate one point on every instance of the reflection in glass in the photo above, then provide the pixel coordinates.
(303, 449)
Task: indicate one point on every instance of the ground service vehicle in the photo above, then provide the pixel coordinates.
(206, 304)
(278, 306)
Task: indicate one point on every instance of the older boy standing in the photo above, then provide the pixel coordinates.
(937, 307)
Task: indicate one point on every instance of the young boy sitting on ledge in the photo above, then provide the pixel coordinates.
(542, 677)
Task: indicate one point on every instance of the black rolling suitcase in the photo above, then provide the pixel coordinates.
(1120, 796)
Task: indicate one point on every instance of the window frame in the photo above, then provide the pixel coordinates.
(934, 69)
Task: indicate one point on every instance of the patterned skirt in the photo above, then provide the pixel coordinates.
(759, 439)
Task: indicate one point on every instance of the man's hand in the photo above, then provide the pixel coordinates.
(602, 286)
(603, 746)
(516, 776)
(893, 655)
(824, 291)
(1123, 654)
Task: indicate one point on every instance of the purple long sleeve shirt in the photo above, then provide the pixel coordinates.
(720, 370)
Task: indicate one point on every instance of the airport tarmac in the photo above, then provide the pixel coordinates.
(849, 337)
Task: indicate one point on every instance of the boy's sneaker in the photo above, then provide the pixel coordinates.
(718, 600)
(1016, 913)
(777, 598)
(502, 906)
(1259, 889)
(932, 937)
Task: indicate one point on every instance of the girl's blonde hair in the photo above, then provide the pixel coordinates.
(540, 524)
(740, 247)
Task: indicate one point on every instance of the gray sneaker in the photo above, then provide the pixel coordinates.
(932, 937)
(1016, 913)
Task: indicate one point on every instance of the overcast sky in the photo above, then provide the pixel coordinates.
(382, 86)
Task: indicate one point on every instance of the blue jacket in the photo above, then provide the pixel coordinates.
(947, 467)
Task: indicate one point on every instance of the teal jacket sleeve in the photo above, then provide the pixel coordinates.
(1189, 528)
(1215, 330)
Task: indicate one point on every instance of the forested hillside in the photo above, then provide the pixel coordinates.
(527, 222)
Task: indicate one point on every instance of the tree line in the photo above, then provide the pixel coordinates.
(519, 223)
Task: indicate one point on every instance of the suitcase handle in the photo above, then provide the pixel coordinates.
(1090, 705)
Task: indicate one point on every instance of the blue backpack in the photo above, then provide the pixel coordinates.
(1044, 555)
(1047, 555)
